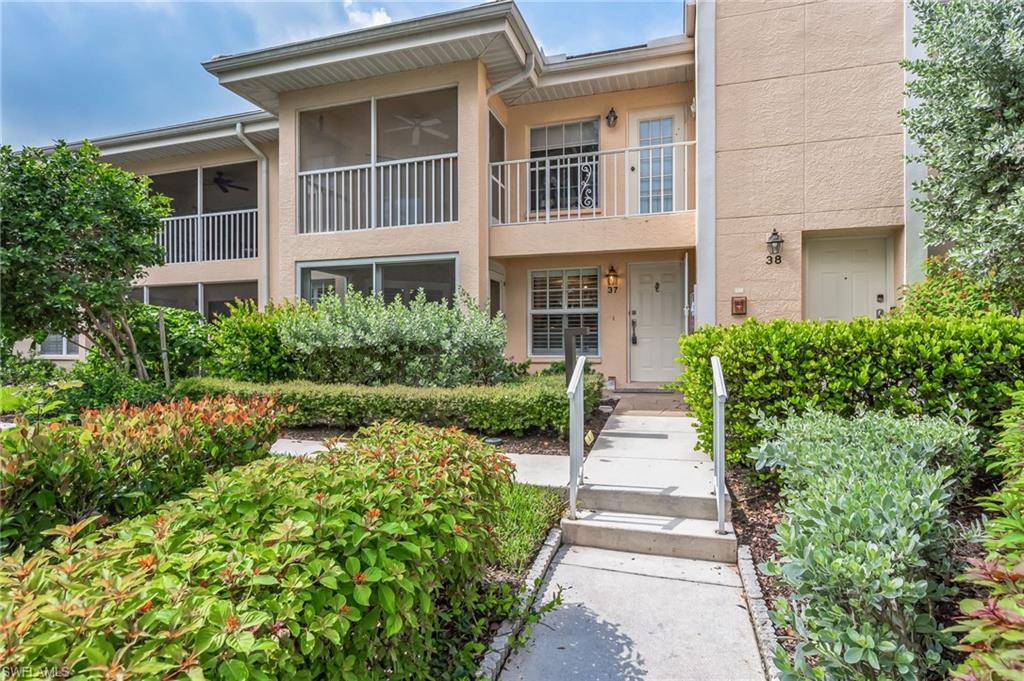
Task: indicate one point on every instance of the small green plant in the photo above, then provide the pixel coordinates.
(865, 543)
(245, 344)
(531, 404)
(992, 626)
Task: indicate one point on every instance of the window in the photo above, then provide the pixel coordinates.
(563, 299)
(569, 178)
(217, 296)
(408, 177)
(184, 297)
(656, 165)
(402, 277)
(181, 188)
(56, 345)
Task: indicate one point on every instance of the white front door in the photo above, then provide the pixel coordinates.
(655, 320)
(847, 278)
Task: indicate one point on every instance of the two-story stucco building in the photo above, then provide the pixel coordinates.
(632, 192)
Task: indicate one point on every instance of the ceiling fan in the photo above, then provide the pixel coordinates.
(418, 125)
(225, 183)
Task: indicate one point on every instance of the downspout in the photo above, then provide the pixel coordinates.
(527, 71)
(262, 204)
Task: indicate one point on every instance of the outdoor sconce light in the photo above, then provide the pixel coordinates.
(611, 278)
(611, 118)
(774, 248)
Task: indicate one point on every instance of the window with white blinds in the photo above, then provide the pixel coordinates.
(561, 299)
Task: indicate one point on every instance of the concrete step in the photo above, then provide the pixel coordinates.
(658, 535)
(665, 501)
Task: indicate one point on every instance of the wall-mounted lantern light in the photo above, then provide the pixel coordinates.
(611, 118)
(611, 278)
(774, 248)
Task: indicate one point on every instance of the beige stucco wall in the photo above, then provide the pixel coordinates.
(808, 138)
(223, 270)
(464, 237)
(614, 317)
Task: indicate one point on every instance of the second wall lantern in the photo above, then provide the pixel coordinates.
(774, 242)
(611, 118)
(611, 278)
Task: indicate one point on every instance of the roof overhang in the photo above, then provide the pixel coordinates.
(209, 135)
(493, 33)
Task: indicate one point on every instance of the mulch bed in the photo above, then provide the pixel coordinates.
(533, 443)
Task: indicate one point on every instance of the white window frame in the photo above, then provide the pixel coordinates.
(532, 312)
(64, 348)
(375, 263)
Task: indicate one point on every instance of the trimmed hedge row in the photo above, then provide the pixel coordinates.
(992, 625)
(904, 364)
(122, 462)
(534, 403)
(366, 562)
(865, 544)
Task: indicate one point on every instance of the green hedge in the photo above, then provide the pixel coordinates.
(367, 562)
(534, 403)
(992, 626)
(121, 462)
(865, 542)
(905, 364)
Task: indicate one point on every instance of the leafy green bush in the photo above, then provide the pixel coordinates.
(366, 340)
(17, 369)
(121, 462)
(529, 513)
(865, 543)
(535, 403)
(367, 562)
(245, 344)
(186, 333)
(904, 364)
(948, 292)
(103, 384)
(992, 627)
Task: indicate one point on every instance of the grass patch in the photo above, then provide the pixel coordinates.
(530, 513)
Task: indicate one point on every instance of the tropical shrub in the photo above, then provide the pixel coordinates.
(534, 403)
(98, 383)
(904, 364)
(947, 292)
(246, 346)
(17, 369)
(367, 562)
(366, 340)
(186, 333)
(121, 462)
(992, 626)
(865, 543)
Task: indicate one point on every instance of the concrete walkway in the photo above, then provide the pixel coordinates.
(630, 616)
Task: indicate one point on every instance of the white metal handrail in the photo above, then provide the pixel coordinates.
(609, 183)
(575, 393)
(225, 235)
(718, 439)
(400, 193)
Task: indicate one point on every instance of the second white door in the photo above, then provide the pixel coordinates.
(655, 320)
(847, 278)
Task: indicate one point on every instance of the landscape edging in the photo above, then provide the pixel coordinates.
(764, 630)
(501, 644)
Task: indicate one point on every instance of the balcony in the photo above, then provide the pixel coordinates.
(226, 235)
(619, 183)
(414, 191)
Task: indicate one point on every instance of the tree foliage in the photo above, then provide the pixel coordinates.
(969, 121)
(76, 233)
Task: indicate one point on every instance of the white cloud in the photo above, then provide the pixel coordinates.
(360, 18)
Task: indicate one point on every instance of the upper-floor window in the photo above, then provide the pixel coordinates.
(567, 179)
(386, 162)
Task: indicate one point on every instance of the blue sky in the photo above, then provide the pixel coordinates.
(88, 69)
